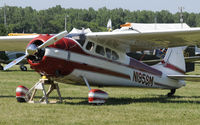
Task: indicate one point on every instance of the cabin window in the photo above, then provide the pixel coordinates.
(108, 53)
(115, 56)
(100, 50)
(90, 46)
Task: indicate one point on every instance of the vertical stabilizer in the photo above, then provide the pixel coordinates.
(174, 61)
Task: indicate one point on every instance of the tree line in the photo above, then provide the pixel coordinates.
(52, 20)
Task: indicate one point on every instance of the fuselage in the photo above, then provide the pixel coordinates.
(68, 60)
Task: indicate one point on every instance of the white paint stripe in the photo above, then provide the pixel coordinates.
(56, 53)
(98, 95)
(21, 90)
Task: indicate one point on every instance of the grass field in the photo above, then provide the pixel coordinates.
(126, 106)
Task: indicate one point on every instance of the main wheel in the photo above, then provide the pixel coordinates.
(1, 67)
(23, 68)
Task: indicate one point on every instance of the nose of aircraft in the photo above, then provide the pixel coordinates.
(52, 60)
(34, 50)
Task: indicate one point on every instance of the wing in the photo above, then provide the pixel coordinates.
(129, 41)
(15, 43)
(193, 78)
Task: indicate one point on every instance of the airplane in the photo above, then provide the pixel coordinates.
(99, 59)
(7, 57)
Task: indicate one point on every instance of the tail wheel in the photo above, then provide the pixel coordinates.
(172, 92)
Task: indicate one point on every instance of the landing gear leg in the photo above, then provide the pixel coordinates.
(86, 82)
(95, 96)
(171, 93)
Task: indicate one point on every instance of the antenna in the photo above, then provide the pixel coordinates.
(5, 15)
(66, 22)
(181, 16)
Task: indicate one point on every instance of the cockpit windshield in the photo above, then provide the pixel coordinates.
(79, 37)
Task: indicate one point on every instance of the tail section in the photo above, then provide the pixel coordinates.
(173, 62)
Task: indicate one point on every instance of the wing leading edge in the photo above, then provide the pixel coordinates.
(131, 40)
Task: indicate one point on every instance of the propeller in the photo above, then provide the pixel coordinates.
(32, 48)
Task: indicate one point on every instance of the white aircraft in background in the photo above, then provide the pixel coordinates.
(99, 59)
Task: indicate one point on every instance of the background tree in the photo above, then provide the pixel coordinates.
(51, 20)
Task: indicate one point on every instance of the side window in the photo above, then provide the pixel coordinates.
(115, 56)
(108, 53)
(100, 50)
(90, 46)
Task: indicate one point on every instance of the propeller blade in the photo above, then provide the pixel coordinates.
(53, 39)
(14, 62)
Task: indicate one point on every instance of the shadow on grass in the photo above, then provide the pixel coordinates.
(126, 101)
(7, 96)
(17, 71)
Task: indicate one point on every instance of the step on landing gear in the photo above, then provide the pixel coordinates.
(95, 96)
(40, 86)
(171, 93)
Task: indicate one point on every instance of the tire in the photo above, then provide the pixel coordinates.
(23, 68)
(1, 67)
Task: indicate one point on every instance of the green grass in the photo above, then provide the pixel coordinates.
(126, 106)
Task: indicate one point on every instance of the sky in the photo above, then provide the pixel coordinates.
(132, 5)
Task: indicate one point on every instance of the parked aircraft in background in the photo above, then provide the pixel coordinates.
(99, 59)
(10, 54)
(152, 57)
(7, 57)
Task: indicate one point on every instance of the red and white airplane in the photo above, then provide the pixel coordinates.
(99, 58)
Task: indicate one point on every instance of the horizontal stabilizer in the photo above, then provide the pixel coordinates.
(187, 59)
(192, 59)
(193, 78)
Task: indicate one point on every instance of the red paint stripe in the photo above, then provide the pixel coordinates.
(98, 70)
(170, 66)
(95, 99)
(143, 67)
(97, 91)
(20, 94)
(20, 86)
(135, 64)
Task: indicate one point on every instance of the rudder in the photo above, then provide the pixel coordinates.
(175, 61)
